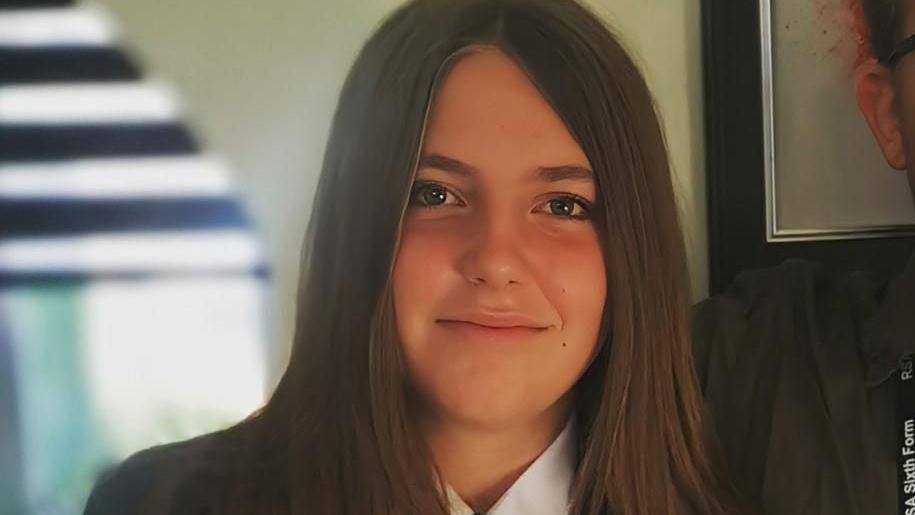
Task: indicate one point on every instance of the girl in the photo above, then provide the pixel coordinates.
(493, 309)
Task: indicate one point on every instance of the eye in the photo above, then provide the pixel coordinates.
(431, 195)
(567, 206)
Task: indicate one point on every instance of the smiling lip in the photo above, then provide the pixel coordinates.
(469, 332)
(495, 322)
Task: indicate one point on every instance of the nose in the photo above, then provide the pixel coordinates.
(494, 255)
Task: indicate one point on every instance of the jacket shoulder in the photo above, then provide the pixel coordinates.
(763, 307)
(180, 477)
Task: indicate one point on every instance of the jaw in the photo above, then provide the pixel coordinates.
(912, 182)
(909, 144)
(908, 134)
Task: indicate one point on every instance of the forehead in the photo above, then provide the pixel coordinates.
(487, 107)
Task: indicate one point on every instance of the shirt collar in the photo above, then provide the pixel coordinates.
(543, 489)
(889, 333)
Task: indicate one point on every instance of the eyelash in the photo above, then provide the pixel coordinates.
(420, 186)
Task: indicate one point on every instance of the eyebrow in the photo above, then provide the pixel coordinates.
(543, 173)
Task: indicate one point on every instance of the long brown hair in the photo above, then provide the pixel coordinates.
(337, 436)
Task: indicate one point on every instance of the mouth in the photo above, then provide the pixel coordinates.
(495, 319)
(486, 326)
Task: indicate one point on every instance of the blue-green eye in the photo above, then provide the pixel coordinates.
(431, 194)
(568, 207)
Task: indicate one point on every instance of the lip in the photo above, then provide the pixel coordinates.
(470, 332)
(494, 320)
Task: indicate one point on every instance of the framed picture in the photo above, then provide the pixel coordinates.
(792, 169)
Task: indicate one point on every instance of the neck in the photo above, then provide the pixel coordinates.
(480, 463)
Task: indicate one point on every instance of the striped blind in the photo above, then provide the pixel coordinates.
(132, 284)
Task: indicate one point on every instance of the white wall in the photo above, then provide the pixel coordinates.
(260, 82)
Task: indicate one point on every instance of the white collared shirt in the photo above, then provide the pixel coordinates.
(543, 489)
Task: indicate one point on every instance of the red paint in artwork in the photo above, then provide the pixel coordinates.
(844, 30)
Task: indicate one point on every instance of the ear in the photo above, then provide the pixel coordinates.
(876, 96)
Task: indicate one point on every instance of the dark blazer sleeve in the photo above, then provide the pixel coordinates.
(736, 369)
(179, 478)
(128, 487)
(777, 363)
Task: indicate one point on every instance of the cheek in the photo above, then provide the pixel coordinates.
(573, 278)
(905, 99)
(422, 273)
(908, 138)
(908, 127)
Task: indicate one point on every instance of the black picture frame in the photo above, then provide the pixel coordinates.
(735, 168)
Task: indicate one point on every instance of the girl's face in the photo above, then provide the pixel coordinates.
(499, 282)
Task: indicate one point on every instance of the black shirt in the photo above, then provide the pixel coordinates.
(796, 366)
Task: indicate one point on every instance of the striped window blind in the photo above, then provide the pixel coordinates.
(132, 283)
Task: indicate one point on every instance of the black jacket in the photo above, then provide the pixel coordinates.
(184, 478)
(797, 368)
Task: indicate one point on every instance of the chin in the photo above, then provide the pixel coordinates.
(480, 418)
(481, 406)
